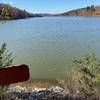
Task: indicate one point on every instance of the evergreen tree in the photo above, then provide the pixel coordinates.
(5, 61)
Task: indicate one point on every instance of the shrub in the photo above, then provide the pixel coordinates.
(88, 75)
(5, 61)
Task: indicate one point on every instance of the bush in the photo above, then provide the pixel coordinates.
(5, 61)
(88, 75)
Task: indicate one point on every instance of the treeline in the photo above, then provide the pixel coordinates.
(87, 11)
(7, 12)
(91, 9)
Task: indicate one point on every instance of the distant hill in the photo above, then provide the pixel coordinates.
(8, 13)
(88, 11)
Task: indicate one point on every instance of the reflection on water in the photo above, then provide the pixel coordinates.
(50, 44)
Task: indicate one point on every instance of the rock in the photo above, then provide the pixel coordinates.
(17, 89)
(57, 89)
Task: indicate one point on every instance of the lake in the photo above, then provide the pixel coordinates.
(48, 45)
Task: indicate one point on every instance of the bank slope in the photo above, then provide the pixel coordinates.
(88, 11)
(8, 12)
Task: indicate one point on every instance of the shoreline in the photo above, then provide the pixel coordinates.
(54, 93)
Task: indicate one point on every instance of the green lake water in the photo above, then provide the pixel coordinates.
(48, 45)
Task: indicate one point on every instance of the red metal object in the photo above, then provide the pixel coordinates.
(14, 74)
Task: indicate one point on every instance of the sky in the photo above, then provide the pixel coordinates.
(50, 6)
